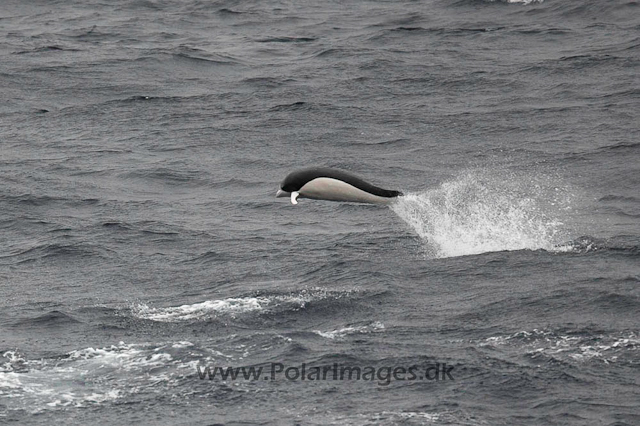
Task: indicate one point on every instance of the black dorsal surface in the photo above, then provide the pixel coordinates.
(297, 179)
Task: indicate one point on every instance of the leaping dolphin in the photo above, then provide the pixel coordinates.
(324, 183)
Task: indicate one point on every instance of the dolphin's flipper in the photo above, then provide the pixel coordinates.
(294, 196)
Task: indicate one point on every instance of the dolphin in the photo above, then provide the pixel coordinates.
(324, 183)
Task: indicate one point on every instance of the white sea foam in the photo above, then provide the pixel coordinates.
(525, 2)
(400, 417)
(230, 306)
(42, 384)
(481, 212)
(183, 344)
(233, 306)
(430, 417)
(88, 376)
(345, 331)
(538, 343)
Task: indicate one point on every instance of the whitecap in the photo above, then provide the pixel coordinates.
(345, 331)
(234, 306)
(544, 343)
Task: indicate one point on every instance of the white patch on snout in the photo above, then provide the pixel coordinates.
(336, 190)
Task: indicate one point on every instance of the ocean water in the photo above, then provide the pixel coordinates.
(143, 248)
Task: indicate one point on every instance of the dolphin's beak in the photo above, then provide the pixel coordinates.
(282, 194)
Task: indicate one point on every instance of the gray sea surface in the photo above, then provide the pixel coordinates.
(143, 251)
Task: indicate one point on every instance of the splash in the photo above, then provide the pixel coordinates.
(481, 212)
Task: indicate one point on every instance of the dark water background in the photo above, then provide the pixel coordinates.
(141, 145)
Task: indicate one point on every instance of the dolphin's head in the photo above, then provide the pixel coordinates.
(291, 185)
(282, 194)
(296, 180)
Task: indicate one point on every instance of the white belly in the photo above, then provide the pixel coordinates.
(336, 190)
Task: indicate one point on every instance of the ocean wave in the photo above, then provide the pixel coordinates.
(619, 198)
(202, 310)
(95, 376)
(396, 417)
(524, 2)
(340, 333)
(38, 385)
(286, 40)
(587, 244)
(233, 307)
(56, 251)
(170, 176)
(506, 2)
(53, 318)
(576, 347)
(48, 48)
